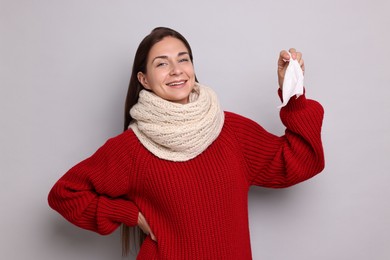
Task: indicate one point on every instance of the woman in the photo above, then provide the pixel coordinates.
(182, 168)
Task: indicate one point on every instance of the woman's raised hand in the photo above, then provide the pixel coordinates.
(283, 60)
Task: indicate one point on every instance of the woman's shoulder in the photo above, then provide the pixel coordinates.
(233, 116)
(233, 119)
(241, 126)
(124, 139)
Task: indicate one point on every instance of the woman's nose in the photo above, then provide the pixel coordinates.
(175, 69)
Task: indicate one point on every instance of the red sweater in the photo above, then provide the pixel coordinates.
(197, 209)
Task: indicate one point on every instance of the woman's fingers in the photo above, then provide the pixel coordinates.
(284, 58)
(144, 226)
(298, 56)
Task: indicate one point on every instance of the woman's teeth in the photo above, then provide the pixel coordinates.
(176, 83)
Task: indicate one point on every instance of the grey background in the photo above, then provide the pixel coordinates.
(64, 71)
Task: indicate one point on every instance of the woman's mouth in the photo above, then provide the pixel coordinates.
(177, 84)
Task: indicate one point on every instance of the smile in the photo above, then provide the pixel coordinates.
(176, 84)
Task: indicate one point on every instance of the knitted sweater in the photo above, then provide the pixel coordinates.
(197, 209)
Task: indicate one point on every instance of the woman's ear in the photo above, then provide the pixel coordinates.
(142, 79)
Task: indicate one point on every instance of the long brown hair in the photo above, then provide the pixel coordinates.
(140, 61)
(139, 65)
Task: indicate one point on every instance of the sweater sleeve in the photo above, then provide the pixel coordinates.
(92, 194)
(279, 162)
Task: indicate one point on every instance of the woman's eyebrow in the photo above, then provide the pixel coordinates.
(166, 57)
(160, 57)
(183, 53)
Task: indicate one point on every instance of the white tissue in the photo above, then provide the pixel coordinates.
(293, 81)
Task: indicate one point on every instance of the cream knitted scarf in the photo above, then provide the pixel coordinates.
(177, 132)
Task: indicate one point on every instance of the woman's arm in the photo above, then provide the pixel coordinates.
(278, 162)
(92, 194)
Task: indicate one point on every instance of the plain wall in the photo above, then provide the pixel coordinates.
(64, 72)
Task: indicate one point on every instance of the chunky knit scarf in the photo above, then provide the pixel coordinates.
(177, 132)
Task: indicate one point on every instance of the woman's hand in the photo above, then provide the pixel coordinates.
(284, 58)
(143, 224)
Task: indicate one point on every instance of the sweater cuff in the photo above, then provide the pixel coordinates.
(295, 103)
(113, 212)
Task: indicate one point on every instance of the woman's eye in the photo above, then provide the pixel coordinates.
(161, 64)
(184, 60)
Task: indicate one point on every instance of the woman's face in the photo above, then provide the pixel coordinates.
(170, 73)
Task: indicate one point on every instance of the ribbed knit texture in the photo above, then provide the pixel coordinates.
(197, 209)
(177, 132)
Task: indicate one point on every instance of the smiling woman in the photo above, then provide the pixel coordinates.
(182, 168)
(169, 71)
